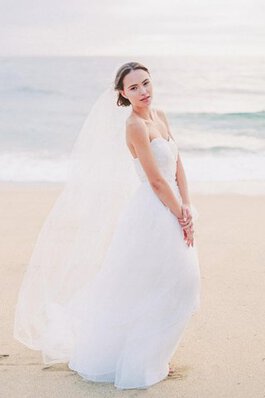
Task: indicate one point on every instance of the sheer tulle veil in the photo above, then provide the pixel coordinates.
(74, 238)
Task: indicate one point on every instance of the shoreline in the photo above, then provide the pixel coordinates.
(245, 188)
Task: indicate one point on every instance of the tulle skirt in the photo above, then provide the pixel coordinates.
(135, 312)
(124, 325)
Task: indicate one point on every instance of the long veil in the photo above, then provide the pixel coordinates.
(73, 240)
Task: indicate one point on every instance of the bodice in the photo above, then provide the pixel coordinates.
(165, 153)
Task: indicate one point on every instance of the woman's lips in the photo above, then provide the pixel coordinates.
(146, 98)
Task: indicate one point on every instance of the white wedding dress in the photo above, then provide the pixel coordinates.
(136, 310)
(124, 325)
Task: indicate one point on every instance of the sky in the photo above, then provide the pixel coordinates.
(132, 27)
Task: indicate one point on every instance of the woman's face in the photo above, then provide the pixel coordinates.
(137, 86)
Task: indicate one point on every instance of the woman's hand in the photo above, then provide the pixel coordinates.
(186, 218)
(188, 236)
(187, 224)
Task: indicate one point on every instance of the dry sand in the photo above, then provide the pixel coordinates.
(222, 353)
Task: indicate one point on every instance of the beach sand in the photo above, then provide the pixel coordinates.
(222, 352)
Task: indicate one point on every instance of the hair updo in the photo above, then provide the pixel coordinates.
(118, 83)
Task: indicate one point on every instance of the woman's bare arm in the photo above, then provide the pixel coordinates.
(137, 135)
(180, 173)
(182, 182)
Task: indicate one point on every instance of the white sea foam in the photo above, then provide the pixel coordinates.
(202, 171)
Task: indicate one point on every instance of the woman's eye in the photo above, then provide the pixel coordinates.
(146, 82)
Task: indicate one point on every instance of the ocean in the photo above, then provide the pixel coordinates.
(215, 107)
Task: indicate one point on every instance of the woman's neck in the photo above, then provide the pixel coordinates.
(146, 114)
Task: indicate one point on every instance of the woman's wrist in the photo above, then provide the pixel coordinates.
(179, 215)
(185, 207)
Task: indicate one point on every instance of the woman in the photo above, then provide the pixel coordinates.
(112, 282)
(145, 125)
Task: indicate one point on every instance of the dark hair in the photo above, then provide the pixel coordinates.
(121, 73)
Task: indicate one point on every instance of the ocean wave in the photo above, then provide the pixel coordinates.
(30, 167)
(29, 90)
(224, 150)
(218, 115)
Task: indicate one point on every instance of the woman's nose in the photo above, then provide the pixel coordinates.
(143, 90)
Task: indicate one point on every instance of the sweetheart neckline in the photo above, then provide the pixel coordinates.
(157, 138)
(161, 138)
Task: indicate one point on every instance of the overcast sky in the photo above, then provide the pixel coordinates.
(132, 27)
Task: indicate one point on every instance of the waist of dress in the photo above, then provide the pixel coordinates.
(172, 183)
(170, 180)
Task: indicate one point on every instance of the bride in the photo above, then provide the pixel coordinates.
(114, 276)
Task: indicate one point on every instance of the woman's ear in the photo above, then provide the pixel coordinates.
(122, 93)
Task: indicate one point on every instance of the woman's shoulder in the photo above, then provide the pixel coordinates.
(133, 122)
(135, 127)
(160, 113)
